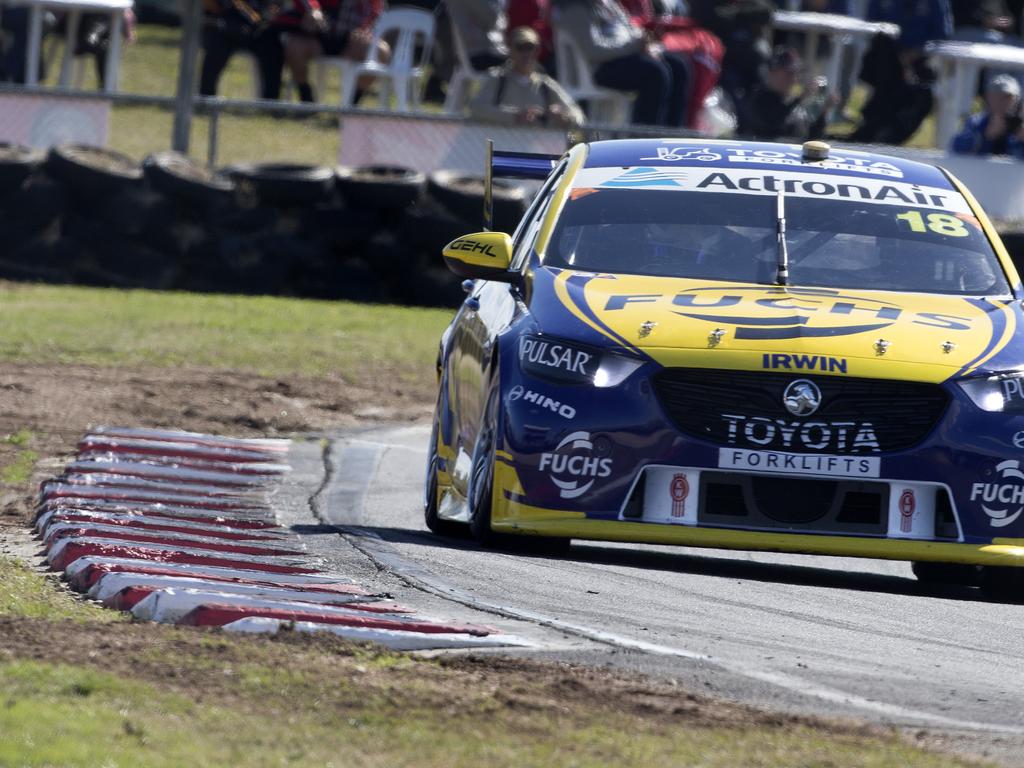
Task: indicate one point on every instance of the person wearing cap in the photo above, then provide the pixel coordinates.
(997, 130)
(771, 111)
(520, 93)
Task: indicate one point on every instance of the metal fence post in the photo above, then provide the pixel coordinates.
(191, 19)
(211, 139)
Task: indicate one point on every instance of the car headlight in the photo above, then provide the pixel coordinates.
(566, 362)
(998, 394)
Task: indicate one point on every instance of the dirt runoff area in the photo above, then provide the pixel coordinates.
(52, 406)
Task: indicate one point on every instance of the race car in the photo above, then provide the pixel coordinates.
(739, 345)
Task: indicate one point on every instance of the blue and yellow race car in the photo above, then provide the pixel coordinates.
(740, 345)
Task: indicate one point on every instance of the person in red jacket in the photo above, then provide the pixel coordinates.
(683, 36)
(328, 28)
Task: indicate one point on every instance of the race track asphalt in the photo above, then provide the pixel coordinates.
(822, 635)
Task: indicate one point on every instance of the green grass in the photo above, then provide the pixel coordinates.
(18, 469)
(52, 714)
(263, 335)
(150, 66)
(25, 593)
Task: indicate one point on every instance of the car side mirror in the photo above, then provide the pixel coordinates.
(484, 255)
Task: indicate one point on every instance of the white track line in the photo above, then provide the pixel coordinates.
(415, 575)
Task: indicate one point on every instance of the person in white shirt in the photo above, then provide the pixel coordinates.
(520, 93)
(624, 58)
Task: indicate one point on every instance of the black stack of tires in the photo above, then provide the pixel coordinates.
(92, 216)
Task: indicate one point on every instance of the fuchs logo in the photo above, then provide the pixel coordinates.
(907, 505)
(571, 466)
(831, 436)
(679, 489)
(518, 392)
(999, 498)
(801, 313)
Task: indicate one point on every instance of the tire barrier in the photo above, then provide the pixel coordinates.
(92, 216)
(177, 527)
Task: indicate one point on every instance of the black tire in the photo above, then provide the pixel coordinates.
(180, 178)
(945, 573)
(428, 285)
(133, 213)
(388, 187)
(481, 478)
(1005, 584)
(339, 229)
(33, 211)
(46, 260)
(435, 524)
(463, 195)
(429, 226)
(284, 184)
(481, 492)
(92, 170)
(346, 280)
(17, 164)
(126, 264)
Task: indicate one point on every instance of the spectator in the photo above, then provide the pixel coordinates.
(770, 111)
(234, 25)
(624, 59)
(93, 38)
(981, 20)
(480, 25)
(339, 28)
(535, 14)
(520, 93)
(898, 71)
(679, 34)
(998, 130)
(14, 27)
(743, 27)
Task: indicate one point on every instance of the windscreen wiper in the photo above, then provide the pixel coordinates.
(782, 266)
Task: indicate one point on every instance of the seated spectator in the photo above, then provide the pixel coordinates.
(234, 25)
(623, 58)
(770, 111)
(898, 71)
(480, 25)
(14, 27)
(339, 28)
(981, 20)
(998, 130)
(679, 34)
(520, 93)
(744, 27)
(93, 38)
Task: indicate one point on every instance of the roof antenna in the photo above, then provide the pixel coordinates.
(782, 271)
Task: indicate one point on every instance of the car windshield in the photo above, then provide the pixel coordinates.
(723, 236)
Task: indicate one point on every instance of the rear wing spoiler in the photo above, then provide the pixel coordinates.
(511, 165)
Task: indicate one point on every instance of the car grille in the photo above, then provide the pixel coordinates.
(809, 506)
(745, 409)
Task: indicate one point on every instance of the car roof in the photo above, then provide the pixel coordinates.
(759, 155)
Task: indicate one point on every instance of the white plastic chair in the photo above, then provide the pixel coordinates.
(462, 77)
(574, 75)
(411, 27)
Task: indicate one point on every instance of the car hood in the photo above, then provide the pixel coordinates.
(742, 326)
